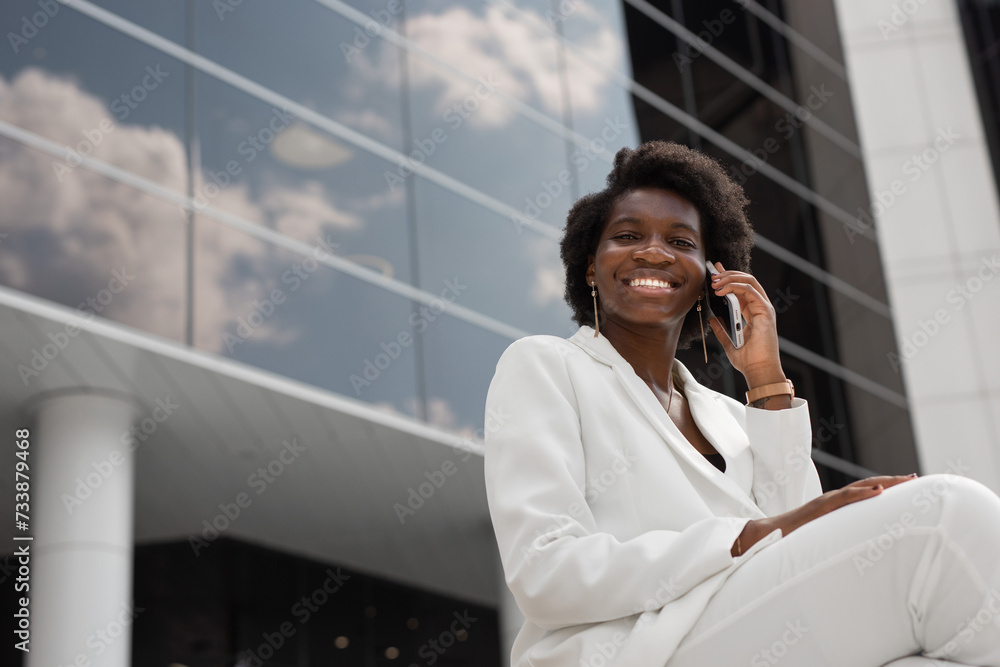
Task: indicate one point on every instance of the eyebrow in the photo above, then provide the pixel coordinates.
(675, 224)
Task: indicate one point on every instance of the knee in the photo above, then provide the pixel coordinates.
(959, 502)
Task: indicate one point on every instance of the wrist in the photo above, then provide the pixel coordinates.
(759, 377)
(744, 540)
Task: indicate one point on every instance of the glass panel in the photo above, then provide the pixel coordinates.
(981, 27)
(288, 314)
(607, 126)
(848, 422)
(166, 19)
(467, 132)
(509, 273)
(243, 604)
(460, 363)
(91, 243)
(246, 171)
(123, 104)
(359, 90)
(653, 52)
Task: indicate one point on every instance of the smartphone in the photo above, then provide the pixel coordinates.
(726, 308)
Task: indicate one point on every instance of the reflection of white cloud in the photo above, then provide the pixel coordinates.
(370, 122)
(439, 413)
(66, 237)
(504, 48)
(302, 213)
(388, 198)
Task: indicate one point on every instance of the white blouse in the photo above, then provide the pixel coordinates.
(614, 531)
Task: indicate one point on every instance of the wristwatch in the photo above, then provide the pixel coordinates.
(776, 389)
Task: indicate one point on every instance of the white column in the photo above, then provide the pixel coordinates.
(82, 510)
(937, 222)
(508, 616)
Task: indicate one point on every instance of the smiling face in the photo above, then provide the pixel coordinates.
(650, 260)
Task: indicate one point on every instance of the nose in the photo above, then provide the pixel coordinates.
(654, 251)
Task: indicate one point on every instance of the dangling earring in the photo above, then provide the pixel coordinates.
(597, 321)
(702, 325)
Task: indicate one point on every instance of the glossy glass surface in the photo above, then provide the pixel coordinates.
(442, 160)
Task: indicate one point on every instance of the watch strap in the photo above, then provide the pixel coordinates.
(775, 389)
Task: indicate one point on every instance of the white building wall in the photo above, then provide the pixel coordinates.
(937, 220)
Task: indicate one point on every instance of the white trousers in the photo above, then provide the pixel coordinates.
(914, 571)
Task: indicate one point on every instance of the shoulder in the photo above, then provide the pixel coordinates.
(538, 348)
(532, 362)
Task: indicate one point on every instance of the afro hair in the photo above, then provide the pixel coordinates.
(726, 232)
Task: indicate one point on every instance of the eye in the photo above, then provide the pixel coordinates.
(686, 242)
(625, 235)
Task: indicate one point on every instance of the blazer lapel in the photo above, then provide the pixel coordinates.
(713, 419)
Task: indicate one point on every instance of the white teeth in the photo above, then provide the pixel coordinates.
(647, 282)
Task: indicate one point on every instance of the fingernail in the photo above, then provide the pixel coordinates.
(912, 474)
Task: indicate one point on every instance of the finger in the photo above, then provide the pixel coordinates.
(738, 277)
(740, 289)
(829, 502)
(884, 480)
(851, 494)
(899, 479)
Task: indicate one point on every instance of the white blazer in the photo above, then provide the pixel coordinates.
(614, 532)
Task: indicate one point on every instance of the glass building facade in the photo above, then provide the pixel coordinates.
(981, 24)
(367, 196)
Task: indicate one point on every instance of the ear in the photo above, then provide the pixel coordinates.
(591, 269)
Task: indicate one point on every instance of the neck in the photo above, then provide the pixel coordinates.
(650, 351)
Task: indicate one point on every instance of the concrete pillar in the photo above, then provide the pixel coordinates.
(82, 514)
(937, 221)
(509, 616)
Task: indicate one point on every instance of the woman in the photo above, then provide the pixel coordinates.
(646, 520)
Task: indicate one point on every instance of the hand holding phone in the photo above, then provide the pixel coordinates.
(726, 308)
